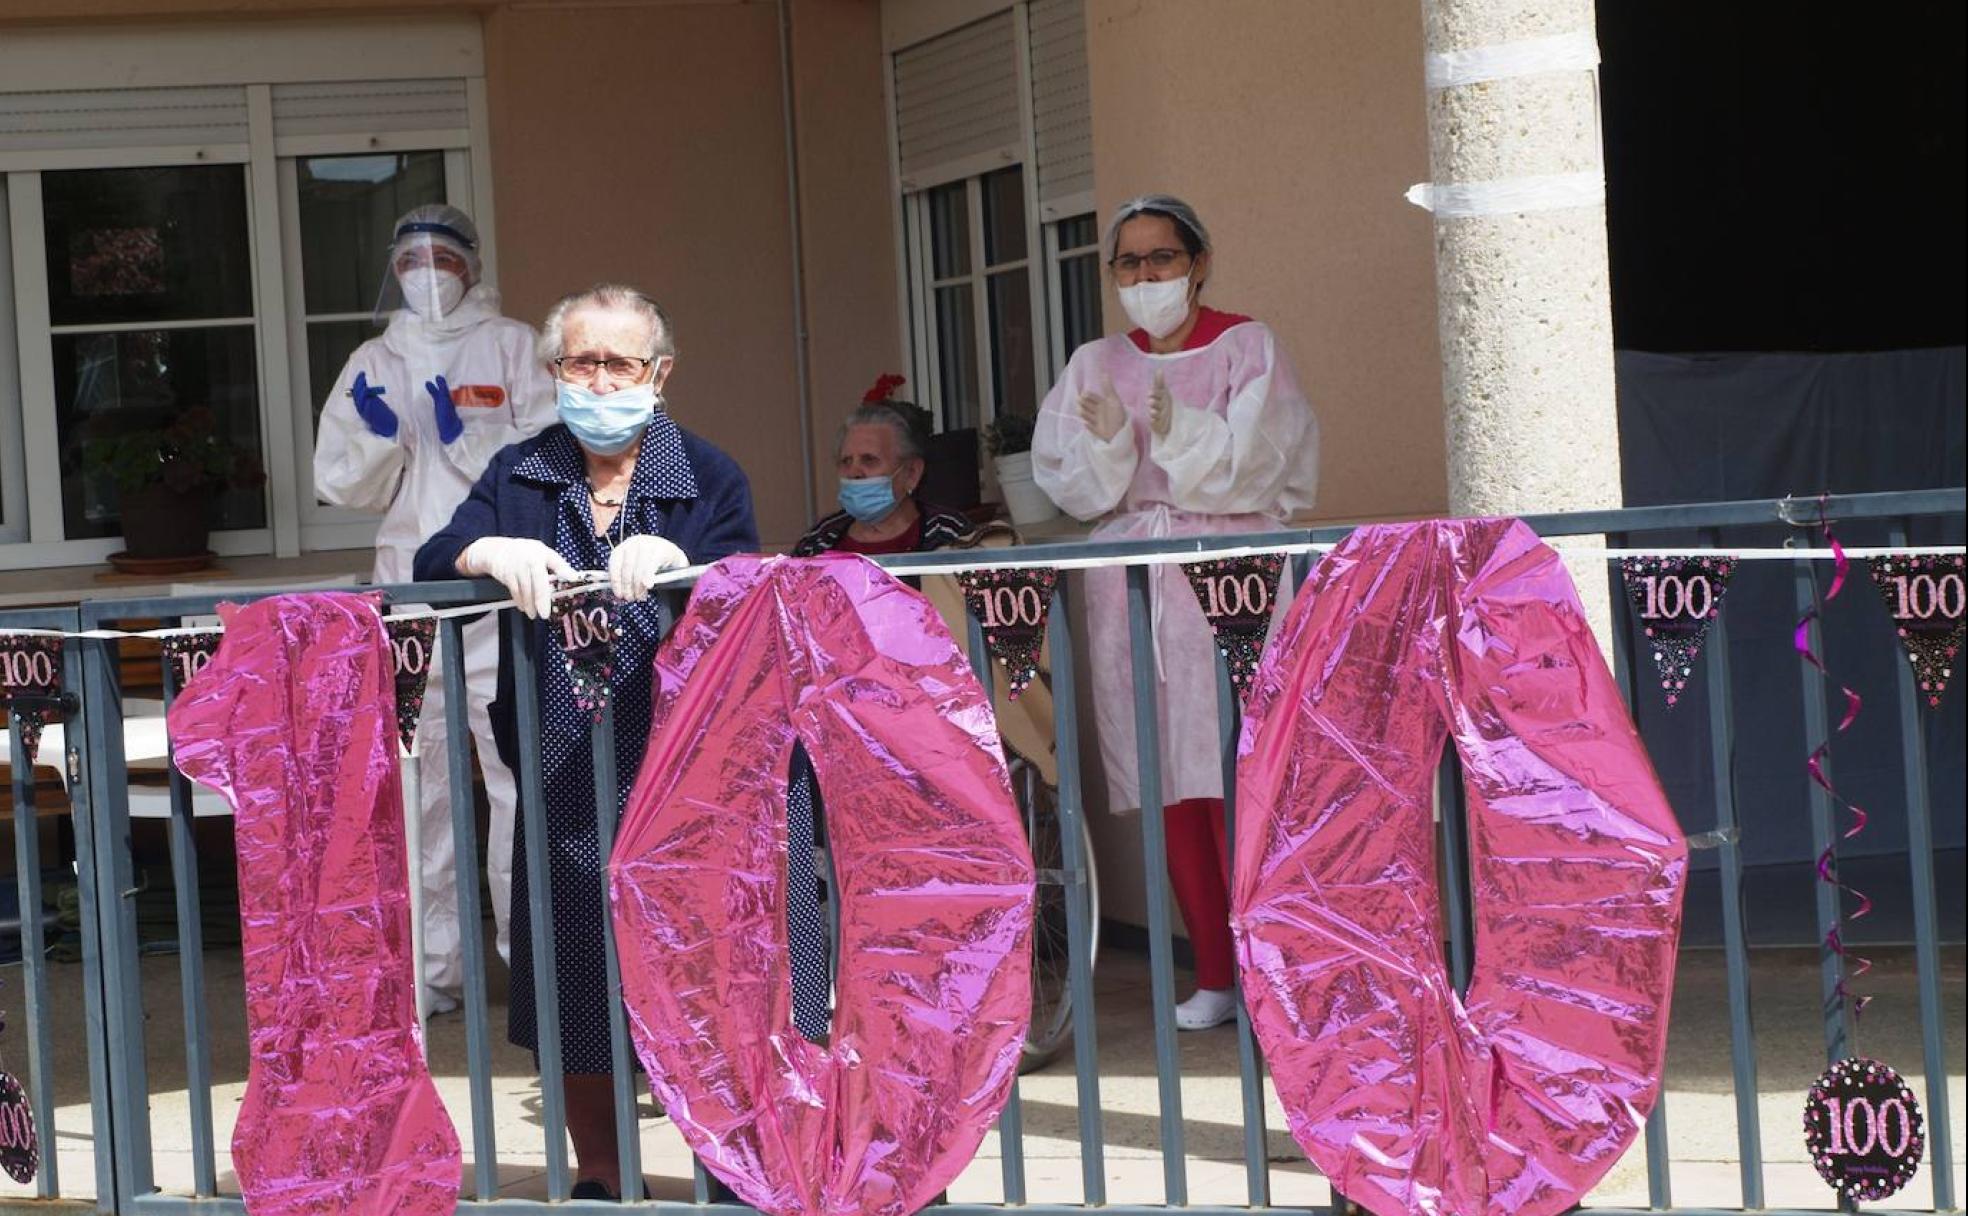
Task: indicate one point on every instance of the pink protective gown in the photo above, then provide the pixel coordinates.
(934, 878)
(1241, 454)
(294, 723)
(1516, 1099)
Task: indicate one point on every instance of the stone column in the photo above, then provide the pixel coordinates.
(1522, 297)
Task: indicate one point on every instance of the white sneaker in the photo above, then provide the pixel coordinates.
(441, 1002)
(1207, 1007)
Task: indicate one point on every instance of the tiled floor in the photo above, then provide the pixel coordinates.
(1700, 1103)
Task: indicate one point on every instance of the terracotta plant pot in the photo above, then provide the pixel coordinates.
(159, 522)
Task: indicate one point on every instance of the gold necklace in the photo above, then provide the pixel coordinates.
(599, 501)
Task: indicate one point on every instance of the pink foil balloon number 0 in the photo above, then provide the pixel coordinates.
(1515, 1099)
(934, 880)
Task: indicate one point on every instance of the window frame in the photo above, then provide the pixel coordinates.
(257, 60)
(323, 526)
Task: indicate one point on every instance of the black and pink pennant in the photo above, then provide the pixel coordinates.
(1676, 599)
(188, 653)
(1012, 606)
(1925, 594)
(1237, 595)
(585, 626)
(30, 681)
(413, 644)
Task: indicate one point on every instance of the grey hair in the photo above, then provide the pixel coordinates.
(880, 413)
(553, 331)
(1182, 213)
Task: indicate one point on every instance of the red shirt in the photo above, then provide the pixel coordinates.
(905, 542)
(1210, 325)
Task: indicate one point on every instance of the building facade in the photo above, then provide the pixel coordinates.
(196, 194)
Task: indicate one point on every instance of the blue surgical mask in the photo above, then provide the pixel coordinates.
(606, 423)
(867, 499)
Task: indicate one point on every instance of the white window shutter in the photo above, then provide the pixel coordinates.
(369, 107)
(1062, 110)
(122, 118)
(956, 103)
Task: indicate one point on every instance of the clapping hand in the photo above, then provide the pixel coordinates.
(1161, 407)
(1103, 413)
(371, 408)
(449, 425)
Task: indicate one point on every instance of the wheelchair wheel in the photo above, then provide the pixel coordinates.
(1052, 994)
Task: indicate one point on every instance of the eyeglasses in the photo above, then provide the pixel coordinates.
(1130, 264)
(620, 367)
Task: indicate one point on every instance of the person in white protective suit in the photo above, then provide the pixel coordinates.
(1191, 423)
(412, 421)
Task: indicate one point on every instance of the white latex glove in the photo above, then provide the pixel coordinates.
(1161, 407)
(1103, 413)
(633, 567)
(525, 566)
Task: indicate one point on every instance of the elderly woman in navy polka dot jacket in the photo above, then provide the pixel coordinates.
(617, 485)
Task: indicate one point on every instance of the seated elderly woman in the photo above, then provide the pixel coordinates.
(879, 457)
(617, 485)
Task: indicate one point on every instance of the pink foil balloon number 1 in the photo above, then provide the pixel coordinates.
(934, 879)
(1514, 1099)
(293, 721)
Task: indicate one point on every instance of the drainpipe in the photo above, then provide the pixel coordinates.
(802, 371)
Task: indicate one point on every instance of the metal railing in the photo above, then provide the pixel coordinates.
(113, 1013)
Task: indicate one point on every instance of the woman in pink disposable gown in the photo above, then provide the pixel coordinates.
(1191, 423)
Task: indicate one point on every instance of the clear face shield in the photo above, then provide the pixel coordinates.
(431, 266)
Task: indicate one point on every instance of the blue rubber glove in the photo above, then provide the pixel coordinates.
(371, 408)
(449, 425)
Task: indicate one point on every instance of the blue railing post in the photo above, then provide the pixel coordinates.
(1154, 850)
(464, 835)
(1926, 919)
(1838, 1027)
(522, 652)
(1079, 932)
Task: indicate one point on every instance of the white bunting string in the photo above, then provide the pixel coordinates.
(592, 580)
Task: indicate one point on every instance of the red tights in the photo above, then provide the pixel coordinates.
(1199, 871)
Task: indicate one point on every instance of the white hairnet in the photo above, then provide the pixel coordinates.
(1157, 204)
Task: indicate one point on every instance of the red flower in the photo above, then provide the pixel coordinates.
(885, 386)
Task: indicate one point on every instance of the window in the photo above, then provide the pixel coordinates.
(993, 152)
(186, 244)
(1074, 246)
(979, 289)
(344, 209)
(150, 310)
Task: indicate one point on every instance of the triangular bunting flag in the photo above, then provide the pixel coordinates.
(30, 681)
(584, 625)
(1237, 595)
(1677, 599)
(412, 642)
(1924, 594)
(188, 653)
(1012, 606)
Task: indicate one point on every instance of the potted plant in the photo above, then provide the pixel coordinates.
(1009, 440)
(168, 469)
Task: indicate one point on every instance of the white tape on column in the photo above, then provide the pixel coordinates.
(1577, 51)
(1510, 195)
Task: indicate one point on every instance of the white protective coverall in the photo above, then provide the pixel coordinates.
(503, 395)
(1241, 454)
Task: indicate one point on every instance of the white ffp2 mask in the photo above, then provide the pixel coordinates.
(430, 292)
(1158, 307)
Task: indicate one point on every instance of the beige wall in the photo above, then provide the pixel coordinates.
(1294, 128)
(848, 215)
